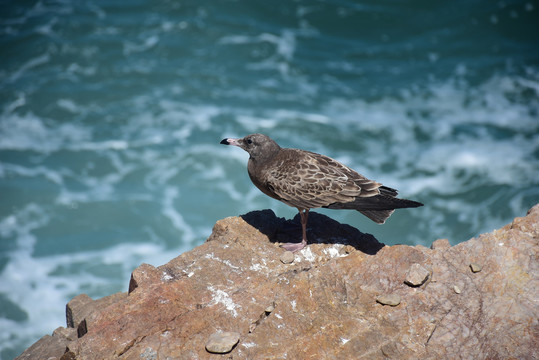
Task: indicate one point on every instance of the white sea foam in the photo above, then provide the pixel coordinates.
(169, 210)
(147, 44)
(32, 63)
(284, 49)
(254, 124)
(503, 160)
(284, 44)
(29, 132)
(13, 170)
(102, 145)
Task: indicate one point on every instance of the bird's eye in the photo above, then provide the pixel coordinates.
(249, 141)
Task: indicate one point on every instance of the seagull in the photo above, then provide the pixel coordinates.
(307, 180)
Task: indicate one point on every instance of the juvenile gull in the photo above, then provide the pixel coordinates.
(307, 180)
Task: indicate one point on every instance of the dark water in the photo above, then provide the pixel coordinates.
(111, 113)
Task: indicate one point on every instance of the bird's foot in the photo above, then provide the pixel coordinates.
(294, 246)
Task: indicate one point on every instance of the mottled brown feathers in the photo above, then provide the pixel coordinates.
(307, 180)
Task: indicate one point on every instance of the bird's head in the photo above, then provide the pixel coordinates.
(257, 145)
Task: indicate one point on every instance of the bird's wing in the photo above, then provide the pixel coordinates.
(308, 180)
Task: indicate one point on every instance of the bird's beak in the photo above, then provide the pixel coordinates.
(229, 141)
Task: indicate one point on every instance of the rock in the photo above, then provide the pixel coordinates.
(287, 257)
(440, 244)
(416, 275)
(50, 347)
(456, 289)
(222, 342)
(475, 267)
(77, 309)
(269, 309)
(69, 334)
(321, 304)
(82, 306)
(389, 299)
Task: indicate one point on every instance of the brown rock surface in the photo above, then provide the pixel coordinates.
(50, 347)
(323, 305)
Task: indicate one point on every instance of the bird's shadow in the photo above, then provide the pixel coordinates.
(320, 229)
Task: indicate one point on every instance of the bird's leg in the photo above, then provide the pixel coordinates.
(304, 215)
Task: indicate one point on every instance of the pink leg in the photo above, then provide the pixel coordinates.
(304, 215)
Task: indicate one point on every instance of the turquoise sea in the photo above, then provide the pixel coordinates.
(111, 113)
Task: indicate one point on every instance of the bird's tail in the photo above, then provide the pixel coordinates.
(377, 208)
(378, 216)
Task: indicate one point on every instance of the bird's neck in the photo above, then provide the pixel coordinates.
(264, 158)
(265, 155)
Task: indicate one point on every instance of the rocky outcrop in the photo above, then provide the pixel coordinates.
(345, 296)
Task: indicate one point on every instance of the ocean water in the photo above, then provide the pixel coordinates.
(111, 113)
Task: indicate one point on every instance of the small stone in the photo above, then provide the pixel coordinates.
(475, 267)
(416, 276)
(389, 299)
(456, 289)
(270, 308)
(287, 257)
(222, 342)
